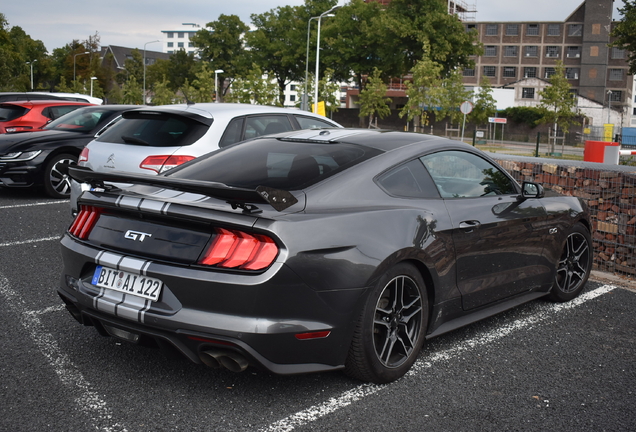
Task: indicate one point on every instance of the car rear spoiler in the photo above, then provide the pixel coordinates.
(237, 197)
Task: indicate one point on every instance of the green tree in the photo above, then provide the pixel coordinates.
(355, 42)
(202, 87)
(484, 105)
(453, 93)
(223, 47)
(419, 28)
(558, 103)
(424, 92)
(373, 100)
(132, 93)
(255, 88)
(162, 93)
(624, 33)
(181, 69)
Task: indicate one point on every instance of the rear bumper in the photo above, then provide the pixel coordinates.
(201, 310)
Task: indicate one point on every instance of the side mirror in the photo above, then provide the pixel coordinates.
(532, 190)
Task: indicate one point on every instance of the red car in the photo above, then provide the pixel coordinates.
(23, 116)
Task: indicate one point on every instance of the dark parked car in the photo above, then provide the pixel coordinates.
(317, 250)
(30, 159)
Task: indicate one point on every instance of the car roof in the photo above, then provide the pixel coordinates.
(224, 110)
(45, 102)
(385, 140)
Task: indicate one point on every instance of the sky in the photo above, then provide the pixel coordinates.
(132, 23)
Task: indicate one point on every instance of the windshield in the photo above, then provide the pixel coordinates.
(274, 163)
(81, 120)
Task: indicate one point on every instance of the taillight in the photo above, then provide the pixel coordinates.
(85, 221)
(161, 163)
(83, 157)
(238, 249)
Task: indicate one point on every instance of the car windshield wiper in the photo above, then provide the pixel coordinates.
(133, 140)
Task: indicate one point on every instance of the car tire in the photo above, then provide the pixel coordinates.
(574, 265)
(56, 184)
(391, 328)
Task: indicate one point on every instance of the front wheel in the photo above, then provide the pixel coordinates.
(574, 266)
(56, 184)
(391, 329)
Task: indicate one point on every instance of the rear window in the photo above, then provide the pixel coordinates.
(311, 123)
(55, 112)
(11, 112)
(80, 119)
(157, 130)
(278, 164)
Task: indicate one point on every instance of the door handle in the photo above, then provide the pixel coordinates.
(469, 226)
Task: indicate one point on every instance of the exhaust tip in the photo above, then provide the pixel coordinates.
(230, 360)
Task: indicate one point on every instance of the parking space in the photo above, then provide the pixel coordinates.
(540, 366)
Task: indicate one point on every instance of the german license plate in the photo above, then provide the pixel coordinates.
(129, 283)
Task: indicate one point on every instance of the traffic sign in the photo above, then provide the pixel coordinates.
(501, 120)
(466, 107)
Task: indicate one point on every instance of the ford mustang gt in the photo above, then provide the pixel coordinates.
(317, 250)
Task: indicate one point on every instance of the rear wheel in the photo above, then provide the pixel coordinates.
(574, 265)
(391, 328)
(56, 184)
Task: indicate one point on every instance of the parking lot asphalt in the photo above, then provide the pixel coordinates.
(541, 366)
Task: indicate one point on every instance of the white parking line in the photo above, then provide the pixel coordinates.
(34, 204)
(87, 399)
(314, 413)
(18, 243)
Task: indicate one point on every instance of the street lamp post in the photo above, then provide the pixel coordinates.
(144, 91)
(74, 62)
(305, 102)
(31, 63)
(92, 79)
(609, 106)
(216, 95)
(326, 13)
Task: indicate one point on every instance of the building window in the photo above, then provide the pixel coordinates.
(292, 87)
(170, 44)
(469, 72)
(552, 51)
(616, 74)
(180, 35)
(529, 72)
(149, 61)
(616, 96)
(618, 53)
(180, 45)
(527, 93)
(509, 72)
(511, 51)
(470, 27)
(554, 29)
(532, 30)
(170, 52)
(292, 98)
(572, 73)
(489, 71)
(170, 35)
(575, 30)
(512, 29)
(490, 51)
(531, 51)
(549, 71)
(492, 29)
(574, 52)
(190, 44)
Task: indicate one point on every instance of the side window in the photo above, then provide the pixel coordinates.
(265, 125)
(233, 132)
(409, 180)
(459, 174)
(310, 123)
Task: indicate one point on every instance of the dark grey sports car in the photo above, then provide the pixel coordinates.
(317, 250)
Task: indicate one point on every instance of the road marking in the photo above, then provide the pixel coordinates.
(87, 399)
(45, 310)
(34, 204)
(18, 243)
(314, 413)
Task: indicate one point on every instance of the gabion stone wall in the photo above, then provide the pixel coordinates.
(608, 190)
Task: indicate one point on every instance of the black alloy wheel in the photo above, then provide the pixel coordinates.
(56, 184)
(391, 329)
(574, 266)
